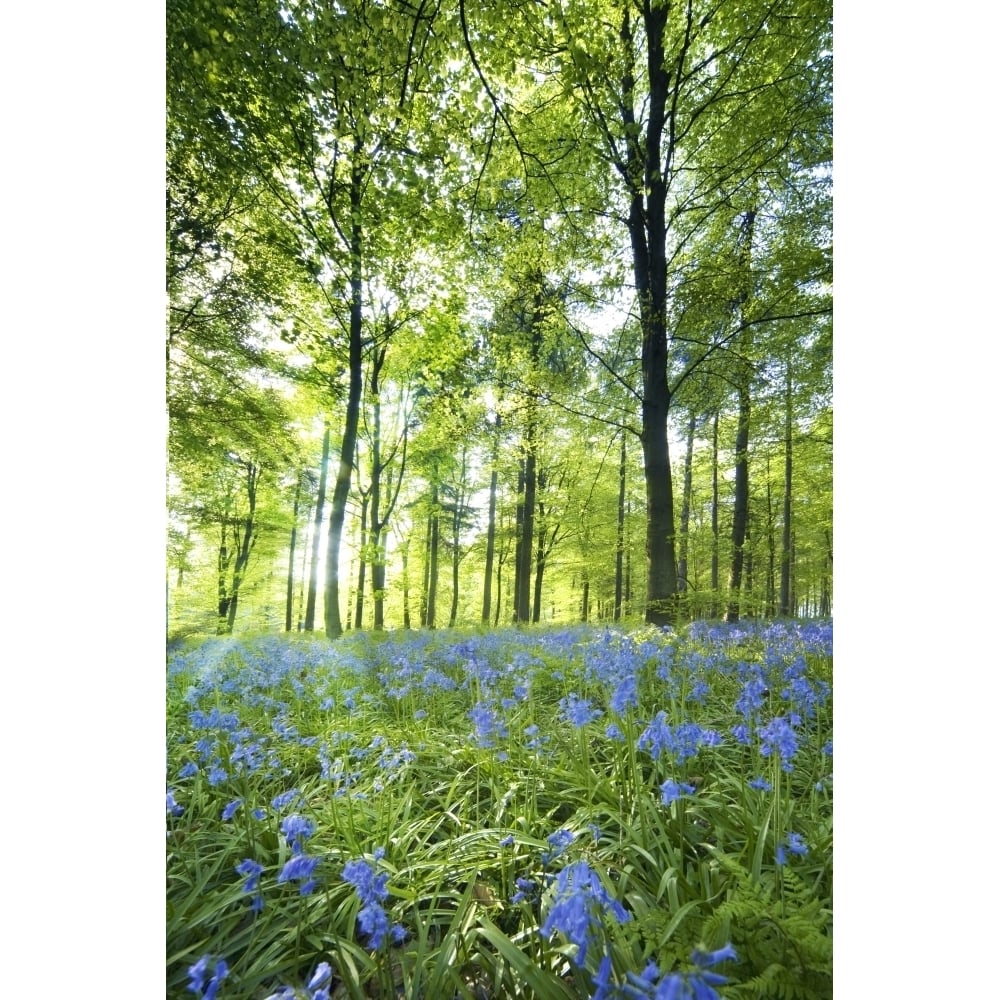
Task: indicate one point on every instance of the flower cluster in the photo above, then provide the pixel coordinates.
(372, 890)
(580, 900)
(318, 986)
(650, 985)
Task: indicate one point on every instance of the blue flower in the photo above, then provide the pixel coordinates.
(252, 870)
(300, 869)
(626, 695)
(525, 890)
(580, 899)
(778, 736)
(507, 841)
(172, 806)
(297, 828)
(230, 810)
(559, 840)
(284, 799)
(199, 971)
(671, 791)
(613, 732)
(578, 711)
(372, 889)
(760, 784)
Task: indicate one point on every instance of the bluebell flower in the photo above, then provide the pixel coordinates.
(525, 890)
(578, 711)
(580, 900)
(252, 870)
(189, 770)
(172, 805)
(626, 695)
(198, 972)
(372, 889)
(779, 736)
(217, 775)
(230, 810)
(296, 829)
(320, 977)
(671, 791)
(507, 841)
(760, 784)
(284, 799)
(300, 868)
(559, 840)
(613, 732)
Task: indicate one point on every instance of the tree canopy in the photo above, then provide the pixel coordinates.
(521, 311)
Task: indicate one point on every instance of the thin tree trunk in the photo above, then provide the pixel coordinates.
(405, 555)
(290, 590)
(359, 597)
(741, 502)
(491, 527)
(785, 600)
(682, 562)
(310, 623)
(620, 545)
(433, 557)
(715, 515)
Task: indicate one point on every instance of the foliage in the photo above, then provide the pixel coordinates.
(547, 813)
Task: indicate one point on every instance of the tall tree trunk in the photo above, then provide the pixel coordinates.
(456, 532)
(244, 536)
(682, 562)
(785, 600)
(715, 515)
(491, 527)
(342, 484)
(741, 504)
(310, 622)
(620, 544)
(290, 590)
(405, 555)
(433, 556)
(359, 597)
(585, 599)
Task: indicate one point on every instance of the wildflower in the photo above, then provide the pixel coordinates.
(580, 898)
(296, 828)
(578, 711)
(284, 799)
(217, 775)
(320, 978)
(778, 735)
(760, 784)
(199, 971)
(189, 770)
(230, 810)
(172, 806)
(252, 870)
(559, 840)
(613, 732)
(671, 791)
(300, 869)
(507, 841)
(794, 844)
(372, 889)
(626, 695)
(525, 890)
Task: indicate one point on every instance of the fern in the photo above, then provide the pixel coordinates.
(781, 931)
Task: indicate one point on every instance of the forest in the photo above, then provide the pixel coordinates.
(494, 313)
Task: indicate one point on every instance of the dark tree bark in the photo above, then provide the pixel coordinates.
(714, 582)
(741, 504)
(359, 597)
(432, 561)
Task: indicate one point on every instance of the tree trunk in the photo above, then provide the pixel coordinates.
(620, 545)
(290, 590)
(405, 555)
(715, 515)
(433, 557)
(342, 485)
(785, 600)
(491, 527)
(310, 622)
(244, 537)
(741, 503)
(682, 563)
(585, 601)
(359, 597)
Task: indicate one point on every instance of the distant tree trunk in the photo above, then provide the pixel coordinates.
(620, 546)
(405, 555)
(426, 570)
(785, 600)
(585, 601)
(456, 537)
(715, 514)
(359, 597)
(825, 600)
(491, 527)
(310, 622)
(342, 484)
(290, 590)
(770, 594)
(433, 557)
(682, 562)
(741, 503)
